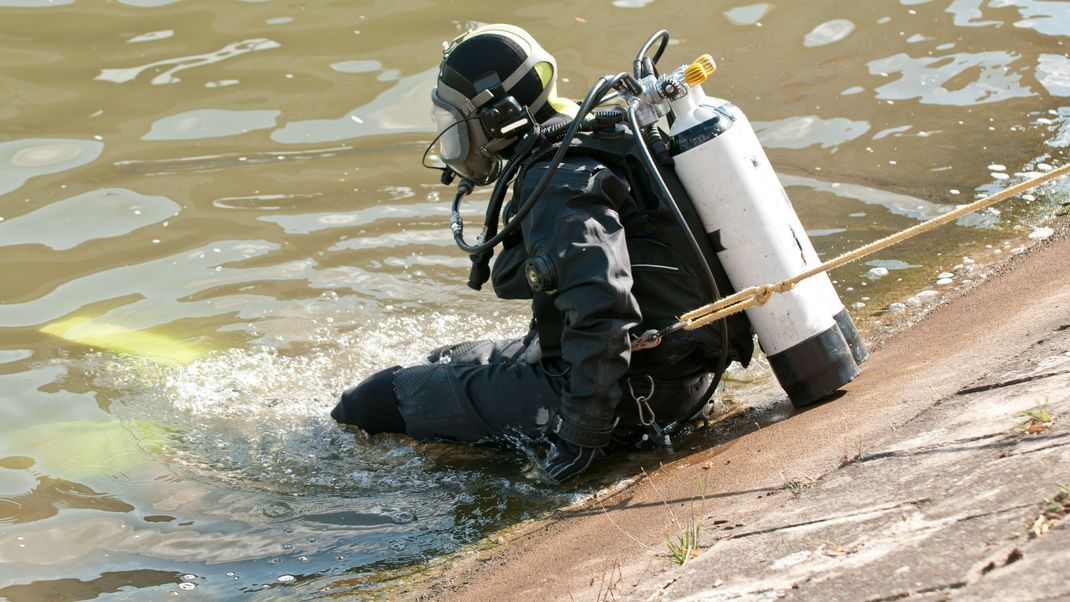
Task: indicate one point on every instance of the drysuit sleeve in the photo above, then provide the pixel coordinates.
(577, 231)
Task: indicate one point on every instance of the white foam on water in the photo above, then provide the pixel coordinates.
(1041, 233)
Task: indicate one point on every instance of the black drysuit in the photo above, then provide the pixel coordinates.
(604, 257)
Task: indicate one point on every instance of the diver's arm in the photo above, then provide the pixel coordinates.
(587, 246)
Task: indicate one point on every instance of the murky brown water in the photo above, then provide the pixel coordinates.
(213, 219)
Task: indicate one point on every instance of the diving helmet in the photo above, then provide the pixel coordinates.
(494, 83)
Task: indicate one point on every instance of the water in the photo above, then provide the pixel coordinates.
(213, 220)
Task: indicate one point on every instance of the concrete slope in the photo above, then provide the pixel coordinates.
(917, 483)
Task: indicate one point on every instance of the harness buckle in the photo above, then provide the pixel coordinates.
(647, 340)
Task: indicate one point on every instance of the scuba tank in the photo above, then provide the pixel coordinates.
(807, 334)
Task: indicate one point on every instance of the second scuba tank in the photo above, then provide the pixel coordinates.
(807, 334)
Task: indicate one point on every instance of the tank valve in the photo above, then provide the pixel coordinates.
(698, 71)
(671, 88)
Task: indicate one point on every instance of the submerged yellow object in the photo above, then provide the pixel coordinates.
(89, 448)
(110, 337)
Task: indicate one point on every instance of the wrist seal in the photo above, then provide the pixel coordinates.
(579, 435)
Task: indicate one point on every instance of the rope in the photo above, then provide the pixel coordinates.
(758, 295)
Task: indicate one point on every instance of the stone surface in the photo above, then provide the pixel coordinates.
(920, 483)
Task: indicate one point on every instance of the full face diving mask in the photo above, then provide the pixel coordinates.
(473, 131)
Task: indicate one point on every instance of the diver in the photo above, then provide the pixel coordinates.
(599, 256)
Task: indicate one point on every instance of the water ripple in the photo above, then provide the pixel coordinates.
(210, 123)
(829, 32)
(203, 163)
(750, 14)
(401, 109)
(1042, 16)
(1053, 72)
(163, 281)
(958, 79)
(23, 159)
(896, 203)
(803, 131)
(104, 213)
(128, 74)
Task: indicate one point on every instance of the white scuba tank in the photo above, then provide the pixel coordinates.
(807, 334)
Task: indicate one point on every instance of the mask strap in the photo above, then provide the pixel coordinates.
(541, 100)
(519, 73)
(537, 56)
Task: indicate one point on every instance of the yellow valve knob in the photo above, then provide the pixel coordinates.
(698, 71)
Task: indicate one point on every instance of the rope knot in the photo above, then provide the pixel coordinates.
(763, 294)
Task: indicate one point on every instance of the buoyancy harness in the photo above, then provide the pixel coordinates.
(666, 282)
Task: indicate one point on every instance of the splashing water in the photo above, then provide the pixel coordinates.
(251, 428)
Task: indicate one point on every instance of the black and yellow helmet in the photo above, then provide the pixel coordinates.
(480, 70)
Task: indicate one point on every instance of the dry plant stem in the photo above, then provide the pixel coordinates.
(618, 527)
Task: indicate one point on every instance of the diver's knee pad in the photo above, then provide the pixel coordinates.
(372, 405)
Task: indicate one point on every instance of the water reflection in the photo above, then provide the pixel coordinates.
(210, 123)
(152, 36)
(21, 160)
(958, 79)
(33, 3)
(357, 66)
(264, 202)
(109, 582)
(148, 3)
(401, 109)
(1043, 16)
(896, 203)
(829, 32)
(182, 63)
(968, 13)
(222, 161)
(750, 14)
(302, 496)
(159, 284)
(50, 496)
(221, 289)
(314, 222)
(1061, 139)
(804, 131)
(35, 387)
(104, 213)
(1053, 72)
(8, 356)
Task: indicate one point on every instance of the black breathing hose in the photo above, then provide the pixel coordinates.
(639, 66)
(711, 282)
(480, 271)
(633, 121)
(601, 87)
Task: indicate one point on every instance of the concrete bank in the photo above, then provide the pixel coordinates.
(936, 476)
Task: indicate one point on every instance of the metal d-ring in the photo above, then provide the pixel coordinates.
(641, 401)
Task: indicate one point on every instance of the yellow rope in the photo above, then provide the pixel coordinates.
(759, 295)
